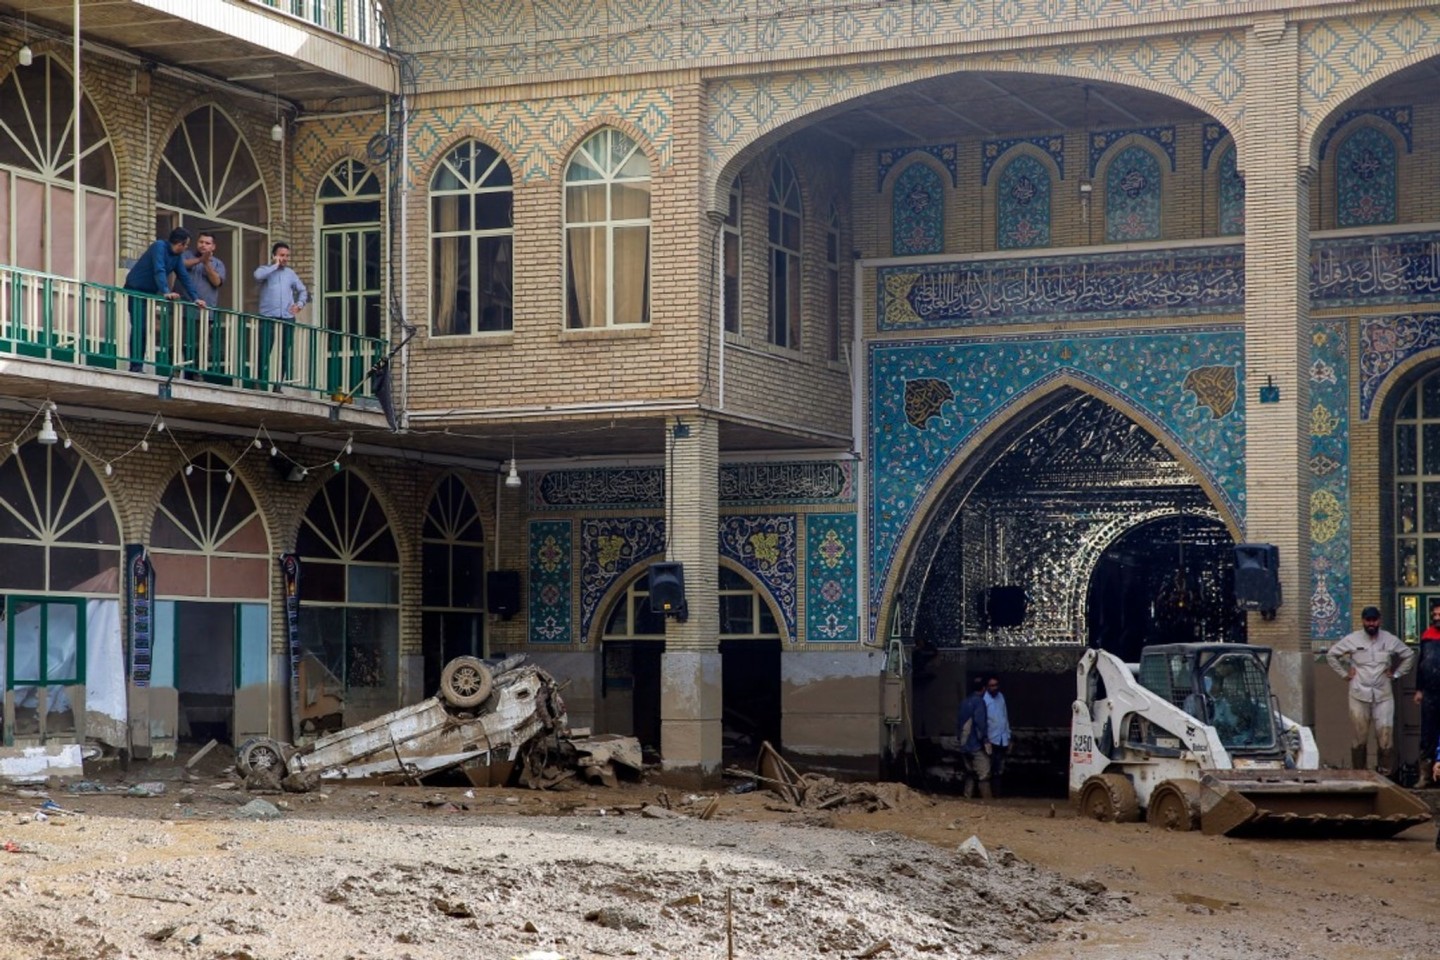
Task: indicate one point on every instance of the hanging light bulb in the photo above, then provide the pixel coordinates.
(349, 446)
(274, 451)
(189, 469)
(26, 56)
(335, 464)
(144, 445)
(229, 477)
(277, 133)
(160, 427)
(109, 470)
(257, 443)
(47, 434)
(14, 447)
(513, 478)
(67, 443)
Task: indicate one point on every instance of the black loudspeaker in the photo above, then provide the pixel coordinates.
(1257, 577)
(502, 592)
(667, 589)
(1001, 606)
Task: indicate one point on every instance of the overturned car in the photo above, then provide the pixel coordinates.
(489, 718)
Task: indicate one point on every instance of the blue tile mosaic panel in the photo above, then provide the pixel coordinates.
(992, 151)
(1330, 481)
(1100, 141)
(610, 546)
(917, 212)
(1360, 271)
(1387, 342)
(946, 153)
(550, 581)
(1211, 136)
(1365, 179)
(1022, 198)
(1232, 195)
(1397, 117)
(1132, 196)
(831, 578)
(929, 398)
(1187, 282)
(767, 547)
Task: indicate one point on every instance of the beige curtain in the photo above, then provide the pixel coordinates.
(632, 275)
(446, 257)
(586, 266)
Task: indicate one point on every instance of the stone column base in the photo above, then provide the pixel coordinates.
(690, 710)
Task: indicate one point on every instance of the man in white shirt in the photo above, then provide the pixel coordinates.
(997, 730)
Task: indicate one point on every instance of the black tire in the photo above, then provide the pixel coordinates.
(465, 683)
(260, 754)
(1109, 798)
(1175, 805)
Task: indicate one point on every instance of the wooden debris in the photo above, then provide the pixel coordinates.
(660, 813)
(711, 808)
(200, 754)
(882, 947)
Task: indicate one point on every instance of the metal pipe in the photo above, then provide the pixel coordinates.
(859, 445)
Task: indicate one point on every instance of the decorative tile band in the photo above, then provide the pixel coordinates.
(929, 398)
(1330, 481)
(991, 151)
(741, 484)
(550, 581)
(831, 578)
(1200, 281)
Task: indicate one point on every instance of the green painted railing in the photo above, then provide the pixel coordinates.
(94, 325)
(360, 20)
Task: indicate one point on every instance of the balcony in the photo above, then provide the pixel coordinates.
(98, 327)
(302, 50)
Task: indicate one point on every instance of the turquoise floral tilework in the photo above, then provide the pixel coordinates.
(1330, 480)
(1365, 179)
(1132, 196)
(550, 581)
(929, 398)
(1023, 204)
(917, 212)
(831, 578)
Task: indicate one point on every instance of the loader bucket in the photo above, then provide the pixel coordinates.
(1306, 803)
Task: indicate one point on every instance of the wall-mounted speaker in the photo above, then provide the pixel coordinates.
(1257, 577)
(1001, 606)
(502, 592)
(667, 589)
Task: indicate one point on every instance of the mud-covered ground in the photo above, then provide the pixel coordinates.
(416, 872)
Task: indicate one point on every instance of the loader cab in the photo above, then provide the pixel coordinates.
(1225, 685)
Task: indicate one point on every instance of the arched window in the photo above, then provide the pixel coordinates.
(1232, 195)
(38, 212)
(472, 232)
(1365, 179)
(1132, 196)
(917, 212)
(833, 326)
(350, 596)
(607, 233)
(452, 591)
(1022, 198)
(732, 233)
(786, 212)
(744, 612)
(60, 579)
(208, 540)
(348, 208)
(208, 181)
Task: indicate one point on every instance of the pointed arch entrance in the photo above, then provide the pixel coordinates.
(211, 556)
(452, 583)
(1074, 526)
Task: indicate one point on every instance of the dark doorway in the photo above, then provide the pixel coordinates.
(1168, 580)
(205, 668)
(632, 690)
(750, 698)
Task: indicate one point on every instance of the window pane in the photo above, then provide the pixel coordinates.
(435, 580)
(1407, 406)
(585, 276)
(1430, 447)
(736, 615)
(732, 283)
(22, 568)
(61, 643)
(322, 582)
(790, 232)
(495, 303)
(730, 580)
(767, 620)
(466, 576)
(449, 213)
(452, 303)
(374, 584)
(372, 645)
(632, 274)
(630, 201)
(26, 617)
(616, 625)
(1432, 562)
(647, 624)
(493, 211)
(1405, 449)
(79, 569)
(585, 204)
(1430, 391)
(1430, 492)
(1408, 563)
(1405, 508)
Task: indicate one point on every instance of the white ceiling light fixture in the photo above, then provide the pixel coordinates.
(26, 56)
(47, 434)
(513, 478)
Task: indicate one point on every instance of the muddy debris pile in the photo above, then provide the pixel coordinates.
(812, 791)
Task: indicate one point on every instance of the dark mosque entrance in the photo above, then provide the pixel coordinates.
(1109, 539)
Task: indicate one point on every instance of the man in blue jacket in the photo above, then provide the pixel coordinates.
(971, 727)
(151, 274)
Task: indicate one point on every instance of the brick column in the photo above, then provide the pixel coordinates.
(1277, 348)
(690, 667)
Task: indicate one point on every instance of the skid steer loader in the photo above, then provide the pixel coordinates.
(1192, 737)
